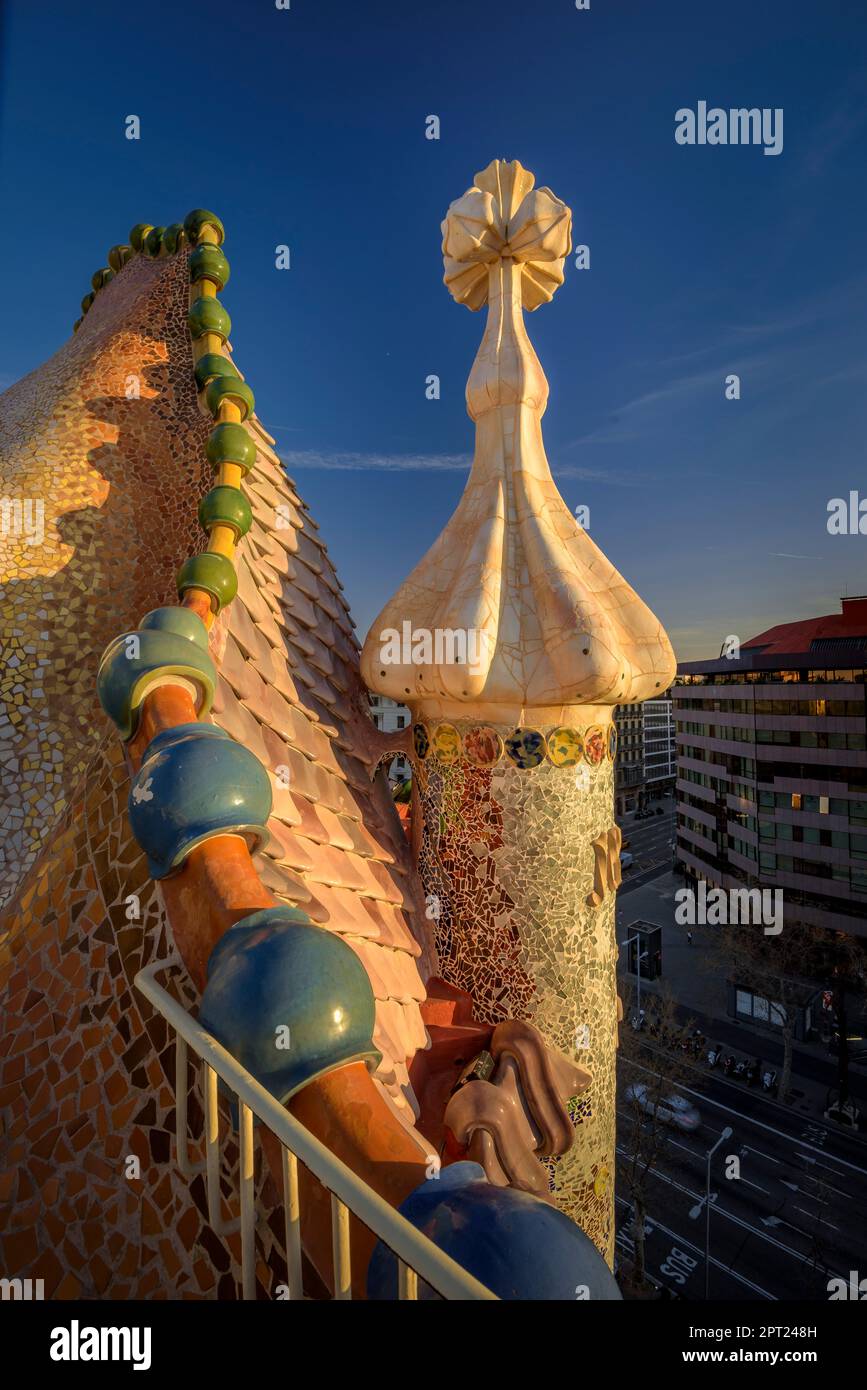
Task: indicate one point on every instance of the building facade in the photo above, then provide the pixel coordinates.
(646, 753)
(660, 751)
(772, 767)
(629, 766)
(389, 717)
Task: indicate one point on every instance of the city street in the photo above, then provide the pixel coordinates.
(795, 1218)
(649, 843)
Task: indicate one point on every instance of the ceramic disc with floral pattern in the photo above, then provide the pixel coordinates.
(565, 747)
(612, 741)
(420, 741)
(594, 744)
(526, 747)
(483, 746)
(446, 743)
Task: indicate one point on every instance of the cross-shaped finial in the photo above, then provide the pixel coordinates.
(503, 216)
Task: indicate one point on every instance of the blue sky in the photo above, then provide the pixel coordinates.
(306, 127)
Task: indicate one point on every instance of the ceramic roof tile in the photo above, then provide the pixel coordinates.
(270, 708)
(248, 589)
(327, 599)
(299, 639)
(265, 513)
(283, 806)
(247, 635)
(337, 828)
(286, 539)
(277, 555)
(342, 870)
(391, 926)
(386, 1036)
(378, 883)
(264, 441)
(240, 673)
(325, 693)
(286, 848)
(283, 883)
(311, 553)
(310, 823)
(260, 487)
(329, 578)
(371, 956)
(363, 842)
(299, 776)
(391, 1020)
(414, 1024)
(341, 911)
(400, 973)
(275, 672)
(267, 625)
(322, 718)
(232, 716)
(304, 578)
(320, 657)
(315, 907)
(298, 606)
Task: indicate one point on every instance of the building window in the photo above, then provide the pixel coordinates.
(796, 801)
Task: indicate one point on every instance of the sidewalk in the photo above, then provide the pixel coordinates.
(700, 993)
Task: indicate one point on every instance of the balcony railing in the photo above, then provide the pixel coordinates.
(417, 1256)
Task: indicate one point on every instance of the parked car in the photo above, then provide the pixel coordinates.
(625, 859)
(673, 1110)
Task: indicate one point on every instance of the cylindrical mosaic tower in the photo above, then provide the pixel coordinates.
(511, 642)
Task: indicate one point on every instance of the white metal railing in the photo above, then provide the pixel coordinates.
(417, 1256)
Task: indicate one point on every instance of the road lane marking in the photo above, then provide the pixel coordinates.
(741, 1278)
(817, 1218)
(748, 1119)
(739, 1221)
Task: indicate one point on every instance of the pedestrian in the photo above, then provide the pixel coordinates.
(689, 938)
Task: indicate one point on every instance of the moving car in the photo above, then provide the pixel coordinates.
(672, 1110)
(625, 859)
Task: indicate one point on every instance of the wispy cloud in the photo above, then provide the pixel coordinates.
(347, 462)
(787, 555)
(629, 421)
(840, 126)
(380, 463)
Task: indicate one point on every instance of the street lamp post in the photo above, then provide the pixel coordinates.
(639, 957)
(726, 1134)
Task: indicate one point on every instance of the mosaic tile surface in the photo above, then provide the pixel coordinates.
(507, 855)
(110, 437)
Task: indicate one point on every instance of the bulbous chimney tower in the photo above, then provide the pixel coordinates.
(511, 642)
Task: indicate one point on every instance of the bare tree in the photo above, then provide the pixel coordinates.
(651, 1057)
(785, 969)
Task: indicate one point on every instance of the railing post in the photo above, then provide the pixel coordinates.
(341, 1257)
(292, 1218)
(212, 1154)
(248, 1214)
(407, 1281)
(182, 1085)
